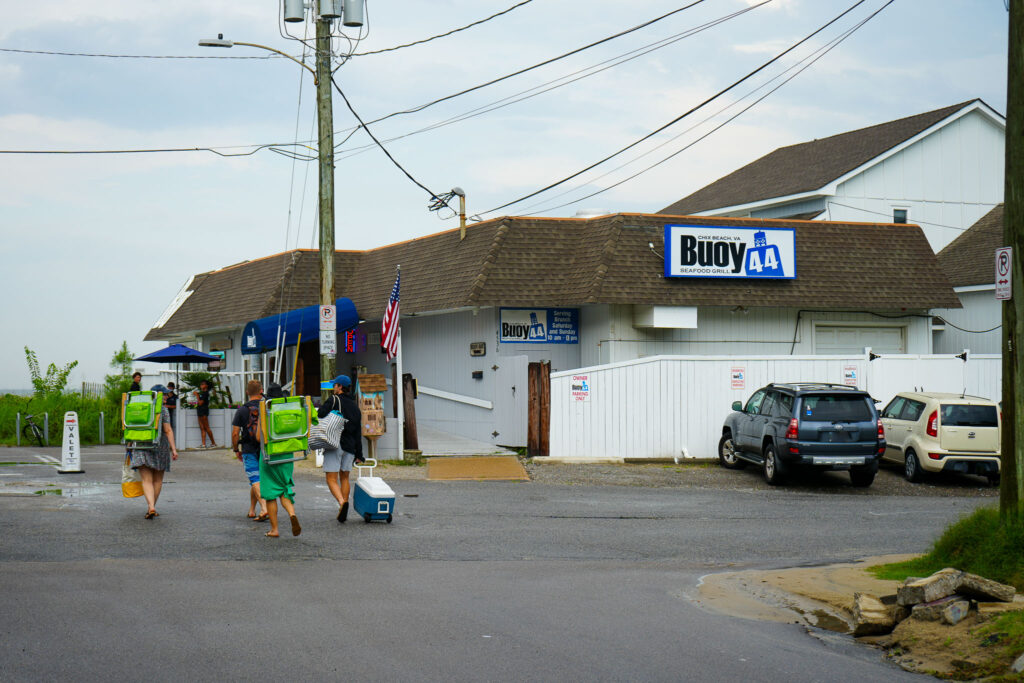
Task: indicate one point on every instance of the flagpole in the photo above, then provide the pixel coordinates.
(401, 399)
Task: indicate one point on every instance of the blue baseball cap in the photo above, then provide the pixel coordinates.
(343, 381)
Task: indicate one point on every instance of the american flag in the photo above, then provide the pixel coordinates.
(389, 330)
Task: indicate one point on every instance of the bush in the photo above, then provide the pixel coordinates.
(88, 409)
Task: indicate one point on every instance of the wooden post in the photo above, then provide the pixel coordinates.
(538, 429)
(325, 145)
(1012, 489)
(412, 441)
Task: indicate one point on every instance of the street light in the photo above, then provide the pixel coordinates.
(325, 121)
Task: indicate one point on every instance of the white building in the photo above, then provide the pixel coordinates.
(942, 170)
(573, 293)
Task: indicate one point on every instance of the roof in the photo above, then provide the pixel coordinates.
(968, 260)
(549, 262)
(808, 166)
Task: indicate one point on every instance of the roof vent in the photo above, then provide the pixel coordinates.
(593, 213)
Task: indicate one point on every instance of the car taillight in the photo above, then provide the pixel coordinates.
(791, 433)
(881, 431)
(933, 424)
(935, 456)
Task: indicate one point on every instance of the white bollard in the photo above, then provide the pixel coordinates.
(70, 449)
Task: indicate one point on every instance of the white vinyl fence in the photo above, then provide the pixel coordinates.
(674, 406)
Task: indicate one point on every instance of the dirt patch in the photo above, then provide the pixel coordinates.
(822, 597)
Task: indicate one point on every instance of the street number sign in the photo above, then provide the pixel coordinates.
(1004, 269)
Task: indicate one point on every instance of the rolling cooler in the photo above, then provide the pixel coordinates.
(373, 498)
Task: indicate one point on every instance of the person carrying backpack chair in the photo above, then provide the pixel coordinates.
(245, 442)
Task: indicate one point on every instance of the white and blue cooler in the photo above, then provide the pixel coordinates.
(373, 498)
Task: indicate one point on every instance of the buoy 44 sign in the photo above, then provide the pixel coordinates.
(725, 251)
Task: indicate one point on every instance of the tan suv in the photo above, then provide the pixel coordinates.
(931, 432)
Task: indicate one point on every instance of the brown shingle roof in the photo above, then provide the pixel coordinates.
(572, 261)
(807, 166)
(970, 258)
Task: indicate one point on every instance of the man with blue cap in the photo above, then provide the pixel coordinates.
(338, 461)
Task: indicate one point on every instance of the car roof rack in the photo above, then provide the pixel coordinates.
(801, 386)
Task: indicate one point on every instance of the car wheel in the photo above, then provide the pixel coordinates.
(773, 468)
(727, 457)
(911, 467)
(993, 479)
(862, 476)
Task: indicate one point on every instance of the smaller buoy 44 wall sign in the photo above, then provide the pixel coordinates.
(723, 251)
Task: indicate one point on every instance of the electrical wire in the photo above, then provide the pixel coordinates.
(813, 57)
(683, 115)
(879, 213)
(279, 147)
(443, 35)
(539, 64)
(113, 56)
(553, 84)
(382, 147)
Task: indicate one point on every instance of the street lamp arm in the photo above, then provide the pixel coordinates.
(283, 54)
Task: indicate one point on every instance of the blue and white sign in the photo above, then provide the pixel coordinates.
(724, 251)
(539, 326)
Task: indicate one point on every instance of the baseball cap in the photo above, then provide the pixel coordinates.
(343, 381)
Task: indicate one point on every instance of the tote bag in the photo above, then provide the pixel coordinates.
(131, 480)
(326, 434)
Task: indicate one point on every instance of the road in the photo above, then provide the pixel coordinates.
(473, 581)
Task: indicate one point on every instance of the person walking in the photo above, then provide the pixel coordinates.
(338, 462)
(152, 463)
(171, 402)
(246, 445)
(203, 413)
(276, 482)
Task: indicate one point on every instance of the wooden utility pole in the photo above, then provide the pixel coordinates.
(325, 121)
(1012, 491)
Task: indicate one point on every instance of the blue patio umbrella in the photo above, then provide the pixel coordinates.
(178, 353)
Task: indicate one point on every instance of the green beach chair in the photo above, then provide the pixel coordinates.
(286, 424)
(140, 418)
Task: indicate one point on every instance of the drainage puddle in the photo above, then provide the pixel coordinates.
(64, 492)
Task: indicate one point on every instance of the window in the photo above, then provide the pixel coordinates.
(836, 409)
(768, 404)
(894, 408)
(899, 215)
(786, 402)
(969, 416)
(754, 404)
(913, 410)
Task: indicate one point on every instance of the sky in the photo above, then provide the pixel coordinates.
(95, 246)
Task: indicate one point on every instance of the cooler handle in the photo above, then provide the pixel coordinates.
(365, 465)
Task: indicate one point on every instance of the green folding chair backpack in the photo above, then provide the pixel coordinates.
(285, 430)
(140, 418)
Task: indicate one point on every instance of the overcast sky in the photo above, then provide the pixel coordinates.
(95, 246)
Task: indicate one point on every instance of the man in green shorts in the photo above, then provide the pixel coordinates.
(276, 482)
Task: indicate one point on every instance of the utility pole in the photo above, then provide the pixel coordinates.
(325, 121)
(1012, 490)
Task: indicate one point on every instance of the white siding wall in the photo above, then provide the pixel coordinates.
(611, 338)
(656, 407)
(981, 311)
(950, 178)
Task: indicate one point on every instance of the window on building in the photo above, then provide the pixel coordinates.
(899, 215)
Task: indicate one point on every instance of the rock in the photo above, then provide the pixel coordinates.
(955, 611)
(985, 589)
(941, 584)
(899, 613)
(932, 611)
(871, 616)
(1018, 666)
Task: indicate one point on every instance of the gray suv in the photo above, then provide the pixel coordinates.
(783, 426)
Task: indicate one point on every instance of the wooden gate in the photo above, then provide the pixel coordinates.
(539, 420)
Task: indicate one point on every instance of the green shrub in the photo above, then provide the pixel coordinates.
(88, 409)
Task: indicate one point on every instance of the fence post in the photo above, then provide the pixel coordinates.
(17, 429)
(103, 429)
(46, 428)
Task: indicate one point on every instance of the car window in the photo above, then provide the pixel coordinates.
(754, 404)
(768, 403)
(836, 408)
(912, 410)
(784, 405)
(969, 416)
(894, 408)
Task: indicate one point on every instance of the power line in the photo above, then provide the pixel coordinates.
(879, 213)
(382, 147)
(559, 82)
(442, 35)
(813, 57)
(538, 65)
(683, 115)
(112, 56)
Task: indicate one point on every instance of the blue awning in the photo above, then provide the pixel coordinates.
(262, 335)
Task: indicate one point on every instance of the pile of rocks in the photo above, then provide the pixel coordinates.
(946, 596)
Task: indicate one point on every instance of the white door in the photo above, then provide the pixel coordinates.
(850, 340)
(511, 392)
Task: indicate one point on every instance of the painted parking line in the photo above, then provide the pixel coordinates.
(48, 459)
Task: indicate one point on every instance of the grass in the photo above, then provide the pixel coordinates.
(1003, 639)
(88, 410)
(978, 543)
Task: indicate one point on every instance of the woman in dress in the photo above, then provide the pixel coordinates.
(153, 462)
(203, 413)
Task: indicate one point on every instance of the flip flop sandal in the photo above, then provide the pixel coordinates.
(270, 535)
(150, 515)
(265, 517)
(251, 515)
(296, 528)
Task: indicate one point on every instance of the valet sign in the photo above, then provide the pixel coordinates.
(722, 251)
